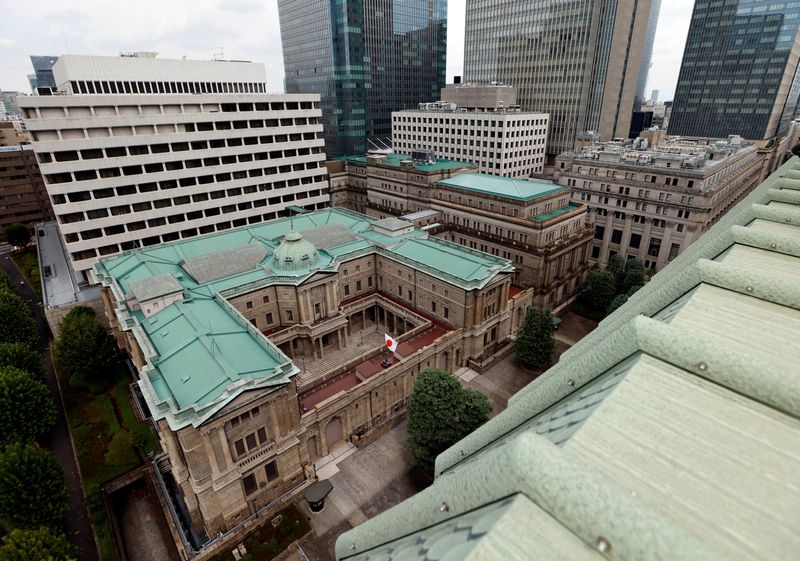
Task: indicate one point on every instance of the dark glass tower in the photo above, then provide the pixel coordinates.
(739, 70)
(43, 72)
(366, 58)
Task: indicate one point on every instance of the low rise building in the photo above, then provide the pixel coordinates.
(261, 349)
(23, 197)
(476, 123)
(652, 203)
(534, 224)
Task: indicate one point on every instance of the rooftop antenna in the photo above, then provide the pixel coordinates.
(64, 36)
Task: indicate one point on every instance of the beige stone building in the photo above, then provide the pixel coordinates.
(652, 203)
(533, 224)
(260, 350)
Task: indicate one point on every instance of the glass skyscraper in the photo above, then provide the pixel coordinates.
(366, 58)
(43, 72)
(739, 70)
(647, 54)
(578, 60)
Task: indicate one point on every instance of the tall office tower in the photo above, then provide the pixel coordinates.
(43, 72)
(647, 54)
(23, 197)
(139, 151)
(365, 59)
(654, 96)
(578, 61)
(739, 70)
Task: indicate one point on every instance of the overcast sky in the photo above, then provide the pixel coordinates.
(243, 29)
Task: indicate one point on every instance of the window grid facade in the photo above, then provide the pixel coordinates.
(509, 144)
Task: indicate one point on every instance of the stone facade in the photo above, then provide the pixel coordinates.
(652, 203)
(549, 252)
(258, 450)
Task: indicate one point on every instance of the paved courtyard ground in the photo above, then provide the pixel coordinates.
(370, 481)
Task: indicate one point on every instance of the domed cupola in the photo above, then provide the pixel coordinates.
(295, 253)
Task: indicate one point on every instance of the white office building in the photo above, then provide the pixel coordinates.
(465, 126)
(137, 151)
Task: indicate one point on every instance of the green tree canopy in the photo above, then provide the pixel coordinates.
(618, 301)
(535, 343)
(41, 544)
(84, 348)
(32, 488)
(21, 356)
(6, 282)
(16, 320)
(440, 413)
(26, 407)
(18, 234)
(598, 290)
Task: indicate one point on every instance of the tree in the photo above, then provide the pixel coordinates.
(440, 413)
(41, 544)
(618, 301)
(18, 234)
(21, 356)
(535, 342)
(16, 320)
(26, 407)
(633, 276)
(84, 348)
(598, 290)
(32, 488)
(6, 282)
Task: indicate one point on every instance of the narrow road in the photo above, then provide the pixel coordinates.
(79, 529)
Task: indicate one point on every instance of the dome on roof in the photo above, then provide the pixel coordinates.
(295, 253)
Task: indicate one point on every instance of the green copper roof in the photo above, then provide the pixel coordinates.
(670, 432)
(394, 160)
(557, 212)
(517, 189)
(201, 352)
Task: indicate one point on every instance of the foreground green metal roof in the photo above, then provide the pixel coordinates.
(200, 352)
(507, 187)
(395, 159)
(670, 432)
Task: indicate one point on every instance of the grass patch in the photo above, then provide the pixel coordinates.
(109, 442)
(28, 264)
(266, 542)
(582, 310)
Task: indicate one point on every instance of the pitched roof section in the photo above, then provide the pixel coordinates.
(516, 189)
(202, 353)
(155, 287)
(670, 432)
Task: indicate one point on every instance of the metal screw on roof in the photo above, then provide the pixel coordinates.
(603, 545)
(773, 245)
(788, 220)
(445, 507)
(352, 547)
(571, 383)
(749, 288)
(702, 366)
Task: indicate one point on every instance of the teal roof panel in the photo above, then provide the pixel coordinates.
(516, 189)
(200, 351)
(395, 159)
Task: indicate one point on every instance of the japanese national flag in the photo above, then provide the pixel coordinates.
(391, 343)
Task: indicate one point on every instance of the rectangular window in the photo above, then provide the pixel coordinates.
(262, 436)
(347, 290)
(289, 315)
(269, 318)
(616, 236)
(250, 439)
(249, 483)
(249, 305)
(271, 470)
(636, 240)
(655, 247)
(599, 232)
(239, 446)
(674, 250)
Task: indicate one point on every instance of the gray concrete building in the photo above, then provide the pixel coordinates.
(652, 203)
(476, 123)
(137, 151)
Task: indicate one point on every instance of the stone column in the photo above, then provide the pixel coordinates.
(273, 415)
(226, 450)
(212, 459)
